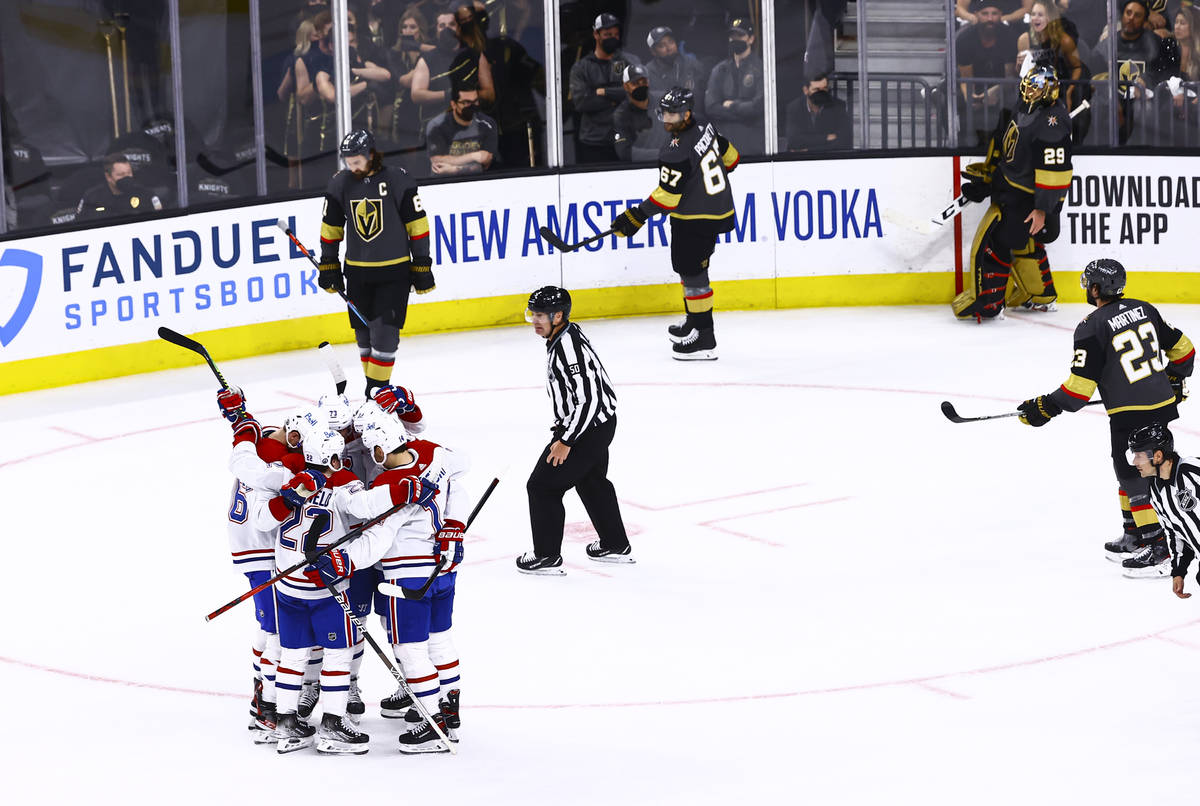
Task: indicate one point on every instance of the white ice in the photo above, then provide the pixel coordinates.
(840, 597)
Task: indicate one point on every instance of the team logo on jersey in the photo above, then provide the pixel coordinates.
(11, 262)
(1010, 141)
(1186, 501)
(1131, 70)
(1052, 120)
(368, 218)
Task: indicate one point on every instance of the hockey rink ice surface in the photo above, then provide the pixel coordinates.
(840, 597)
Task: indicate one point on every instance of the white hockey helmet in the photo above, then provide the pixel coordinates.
(386, 433)
(368, 413)
(309, 418)
(321, 445)
(337, 410)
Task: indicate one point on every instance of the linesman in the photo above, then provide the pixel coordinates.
(1174, 491)
(585, 420)
(387, 250)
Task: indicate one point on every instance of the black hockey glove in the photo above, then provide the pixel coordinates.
(1039, 410)
(976, 191)
(330, 277)
(629, 222)
(1179, 384)
(422, 275)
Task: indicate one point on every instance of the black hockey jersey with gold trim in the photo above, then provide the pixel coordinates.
(1035, 155)
(379, 216)
(693, 175)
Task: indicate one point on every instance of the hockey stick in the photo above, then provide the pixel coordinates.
(398, 591)
(954, 209)
(562, 246)
(353, 533)
(288, 231)
(196, 347)
(335, 368)
(954, 417)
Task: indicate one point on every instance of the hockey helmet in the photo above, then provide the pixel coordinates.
(1107, 275)
(386, 433)
(337, 411)
(1040, 85)
(677, 99)
(1150, 438)
(321, 445)
(358, 143)
(548, 299)
(367, 414)
(309, 418)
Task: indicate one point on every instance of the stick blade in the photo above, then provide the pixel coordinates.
(166, 334)
(951, 414)
(552, 239)
(335, 367)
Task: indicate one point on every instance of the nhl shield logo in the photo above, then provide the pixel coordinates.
(1185, 499)
(368, 218)
(13, 264)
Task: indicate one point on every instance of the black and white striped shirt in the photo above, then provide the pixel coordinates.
(579, 387)
(1177, 502)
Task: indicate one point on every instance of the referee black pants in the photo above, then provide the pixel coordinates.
(586, 469)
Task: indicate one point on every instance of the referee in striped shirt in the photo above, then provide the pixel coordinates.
(585, 420)
(1174, 492)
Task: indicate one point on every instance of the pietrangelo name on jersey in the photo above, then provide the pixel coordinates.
(1126, 318)
(705, 140)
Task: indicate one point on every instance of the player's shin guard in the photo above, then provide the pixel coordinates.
(698, 301)
(1032, 281)
(269, 660)
(419, 671)
(1126, 513)
(289, 678)
(335, 680)
(312, 669)
(983, 298)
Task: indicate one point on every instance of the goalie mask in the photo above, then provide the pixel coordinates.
(1039, 87)
(322, 446)
(387, 434)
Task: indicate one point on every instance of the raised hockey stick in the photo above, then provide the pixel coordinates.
(335, 367)
(954, 417)
(562, 246)
(353, 533)
(288, 231)
(183, 341)
(398, 591)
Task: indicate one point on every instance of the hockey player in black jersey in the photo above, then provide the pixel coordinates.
(1027, 173)
(387, 250)
(1175, 493)
(1138, 363)
(693, 188)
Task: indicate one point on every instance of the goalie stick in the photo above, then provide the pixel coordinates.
(183, 341)
(954, 417)
(562, 246)
(288, 232)
(335, 367)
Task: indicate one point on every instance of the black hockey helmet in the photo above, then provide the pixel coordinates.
(548, 299)
(358, 143)
(677, 99)
(1040, 85)
(1150, 438)
(1107, 274)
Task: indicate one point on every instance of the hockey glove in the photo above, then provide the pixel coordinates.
(334, 567)
(1180, 386)
(1039, 410)
(979, 172)
(417, 491)
(422, 275)
(330, 277)
(394, 399)
(976, 191)
(247, 429)
(232, 403)
(450, 545)
(629, 222)
(301, 487)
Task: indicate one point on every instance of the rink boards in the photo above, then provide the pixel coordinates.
(86, 305)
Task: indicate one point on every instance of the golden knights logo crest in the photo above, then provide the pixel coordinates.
(368, 217)
(1010, 141)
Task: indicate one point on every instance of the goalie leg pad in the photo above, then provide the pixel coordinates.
(1031, 278)
(984, 296)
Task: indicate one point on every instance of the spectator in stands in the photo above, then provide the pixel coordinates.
(402, 64)
(316, 132)
(1138, 54)
(448, 65)
(1187, 34)
(461, 140)
(515, 75)
(817, 121)
(669, 68)
(734, 98)
(596, 90)
(1012, 12)
(1048, 42)
(382, 26)
(984, 50)
(119, 194)
(638, 136)
(364, 107)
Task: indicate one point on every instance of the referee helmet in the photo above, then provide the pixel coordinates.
(548, 299)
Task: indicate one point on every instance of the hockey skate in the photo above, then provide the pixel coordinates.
(677, 333)
(308, 698)
(1123, 549)
(254, 700)
(699, 345)
(265, 724)
(292, 734)
(1151, 562)
(422, 738)
(530, 563)
(602, 555)
(355, 707)
(394, 706)
(449, 708)
(1028, 306)
(339, 736)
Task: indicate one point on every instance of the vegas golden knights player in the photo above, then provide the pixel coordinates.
(1027, 173)
(1138, 362)
(387, 250)
(693, 188)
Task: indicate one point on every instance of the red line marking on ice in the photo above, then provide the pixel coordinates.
(1178, 642)
(71, 433)
(919, 681)
(943, 691)
(736, 533)
(711, 500)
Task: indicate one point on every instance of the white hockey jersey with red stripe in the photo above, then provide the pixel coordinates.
(403, 544)
(259, 470)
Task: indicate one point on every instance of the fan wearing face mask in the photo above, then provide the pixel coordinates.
(734, 98)
(118, 195)
(636, 137)
(461, 140)
(597, 90)
(671, 67)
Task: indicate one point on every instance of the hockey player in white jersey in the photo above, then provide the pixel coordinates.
(1175, 495)
(408, 546)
